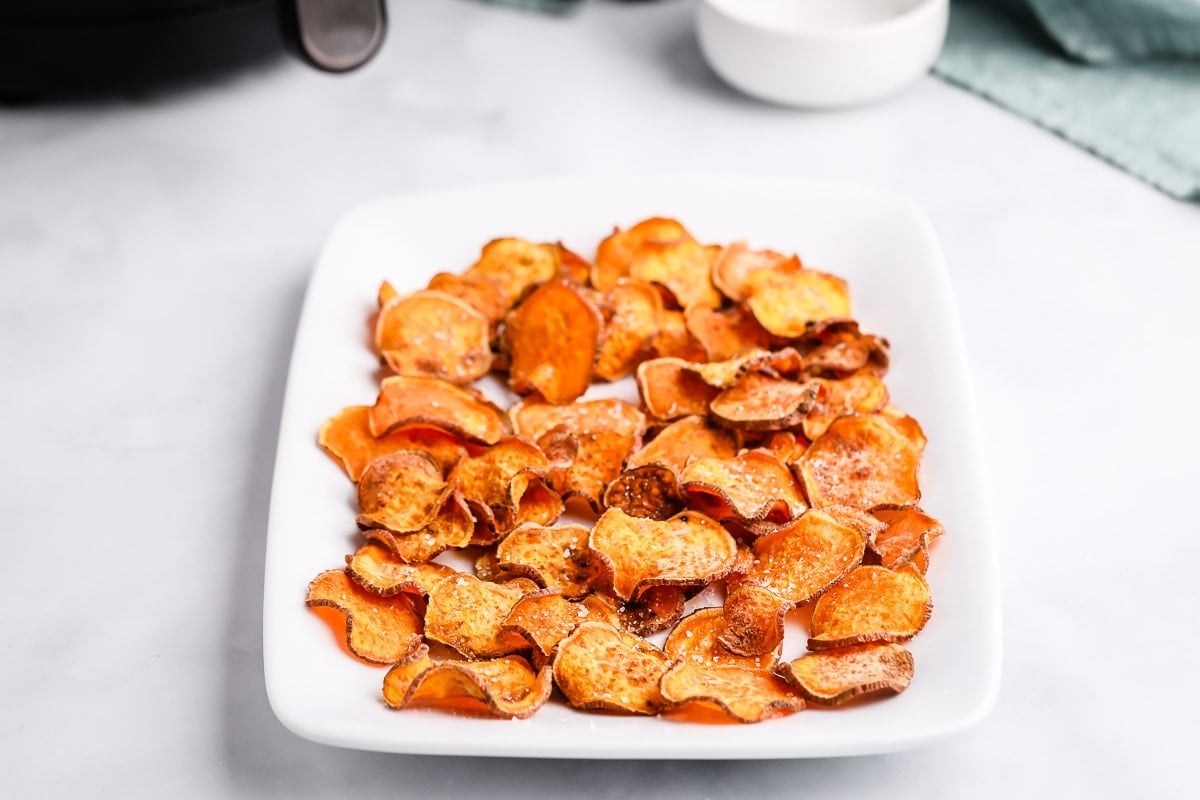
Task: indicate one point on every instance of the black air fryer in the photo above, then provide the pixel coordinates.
(70, 46)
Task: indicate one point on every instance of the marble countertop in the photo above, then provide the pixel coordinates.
(153, 256)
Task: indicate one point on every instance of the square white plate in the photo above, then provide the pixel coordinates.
(879, 242)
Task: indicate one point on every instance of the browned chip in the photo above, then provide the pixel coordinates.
(477, 292)
(736, 261)
(744, 693)
(404, 401)
(728, 333)
(573, 267)
(871, 604)
(860, 461)
(694, 639)
(785, 302)
(434, 334)
(906, 426)
(401, 491)
(674, 340)
(784, 445)
(515, 266)
(466, 613)
(655, 610)
(615, 253)
(452, 528)
(908, 533)
(606, 432)
(545, 618)
(861, 393)
(377, 569)
(598, 666)
(557, 558)
(760, 402)
(382, 630)
(552, 339)
(863, 522)
(631, 312)
(750, 487)
(650, 491)
(684, 439)
(753, 621)
(670, 388)
(688, 549)
(507, 686)
(836, 349)
(683, 267)
(504, 485)
(833, 676)
(801, 560)
(346, 437)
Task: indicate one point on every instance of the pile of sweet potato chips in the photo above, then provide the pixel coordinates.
(764, 468)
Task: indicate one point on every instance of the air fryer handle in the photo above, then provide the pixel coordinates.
(337, 35)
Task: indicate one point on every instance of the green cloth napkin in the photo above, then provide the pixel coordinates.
(1120, 78)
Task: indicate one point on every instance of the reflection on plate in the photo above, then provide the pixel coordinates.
(879, 242)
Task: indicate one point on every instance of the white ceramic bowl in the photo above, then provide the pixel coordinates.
(821, 53)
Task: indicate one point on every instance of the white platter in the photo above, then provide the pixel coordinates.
(879, 242)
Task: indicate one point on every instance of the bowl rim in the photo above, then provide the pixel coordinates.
(848, 32)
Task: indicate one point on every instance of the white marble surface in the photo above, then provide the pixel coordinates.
(153, 255)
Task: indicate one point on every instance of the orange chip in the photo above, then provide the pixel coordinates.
(736, 261)
(670, 388)
(598, 666)
(404, 401)
(545, 618)
(684, 267)
(650, 491)
(346, 437)
(728, 333)
(862, 462)
(381, 630)
(477, 292)
(434, 334)
(837, 349)
(684, 439)
(606, 432)
(386, 293)
(655, 610)
(753, 621)
(515, 266)
(401, 491)
(452, 528)
(860, 393)
(631, 312)
(557, 558)
(552, 339)
(871, 604)
(833, 676)
(504, 485)
(867, 525)
(750, 487)
(376, 569)
(467, 613)
(694, 639)
(507, 686)
(908, 533)
(615, 253)
(905, 425)
(784, 445)
(801, 560)
(674, 340)
(743, 693)
(688, 549)
(573, 267)
(760, 402)
(787, 302)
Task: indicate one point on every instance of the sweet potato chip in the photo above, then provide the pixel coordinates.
(683, 267)
(804, 558)
(378, 570)
(515, 266)
(650, 491)
(401, 491)
(837, 349)
(615, 253)
(451, 529)
(386, 293)
(860, 461)
(784, 445)
(599, 667)
(545, 618)
(908, 533)
(434, 334)
(833, 676)
(870, 604)
(787, 302)
(866, 524)
(753, 621)
(631, 312)
(750, 487)
(504, 485)
(606, 432)
(670, 388)
(552, 339)
(656, 609)
(467, 614)
(743, 693)
(686, 438)
(406, 401)
(346, 438)
(688, 549)
(507, 686)
(736, 261)
(573, 267)
(381, 630)
(759, 402)
(674, 340)
(906, 426)
(694, 639)
(728, 333)
(860, 393)
(557, 558)
(477, 292)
